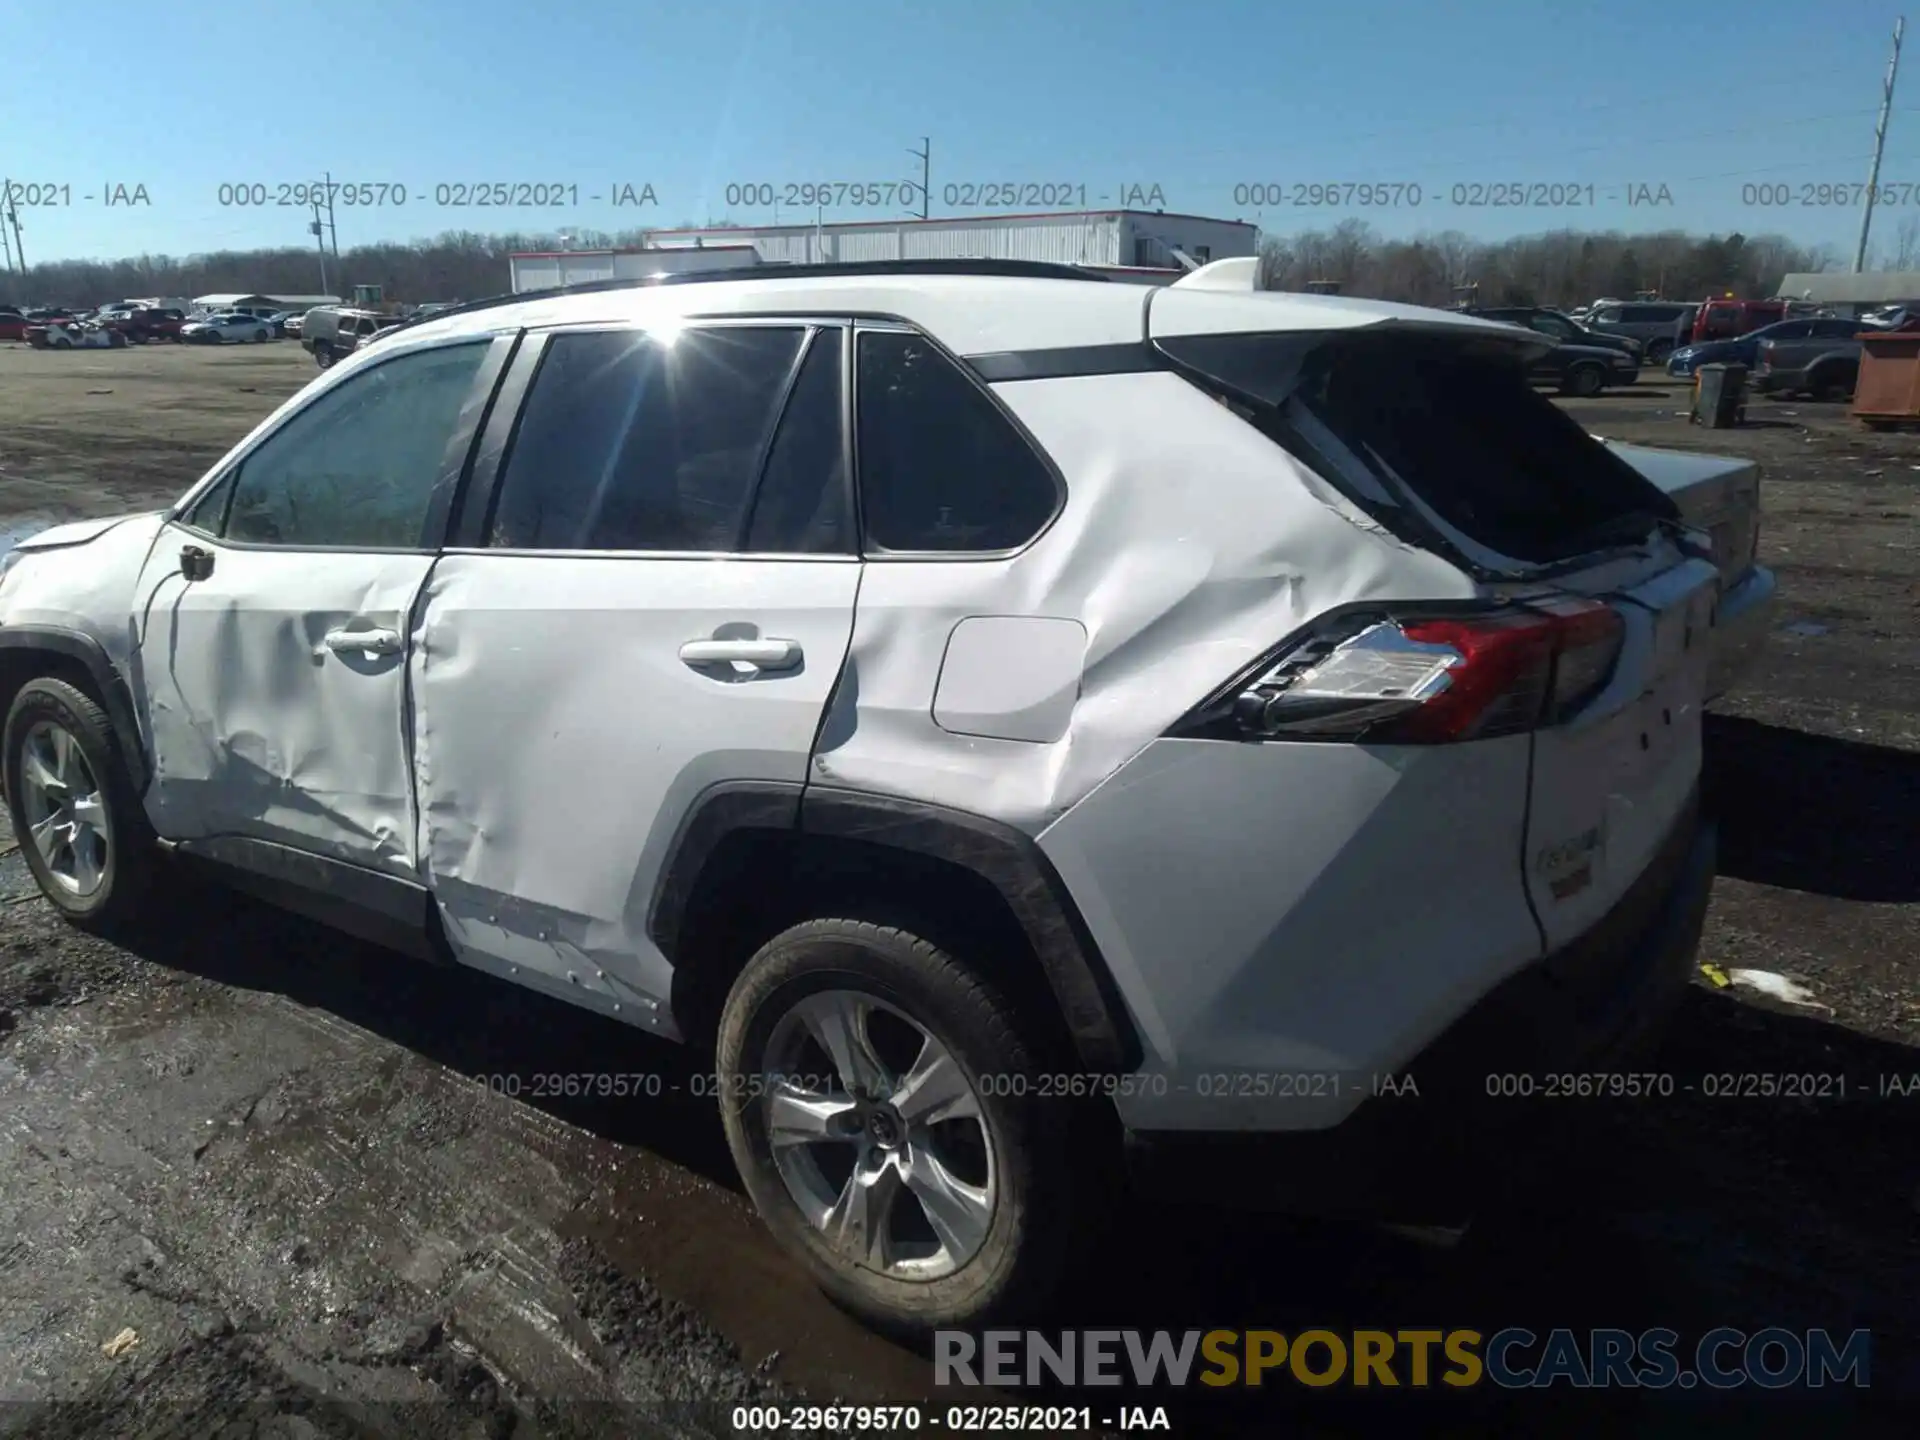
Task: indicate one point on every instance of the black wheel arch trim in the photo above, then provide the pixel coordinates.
(115, 698)
(718, 811)
(1090, 1004)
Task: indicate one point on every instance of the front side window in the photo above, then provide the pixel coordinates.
(638, 441)
(357, 467)
(1552, 325)
(941, 467)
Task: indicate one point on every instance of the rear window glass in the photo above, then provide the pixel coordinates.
(1423, 428)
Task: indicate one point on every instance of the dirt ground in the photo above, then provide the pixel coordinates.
(280, 1159)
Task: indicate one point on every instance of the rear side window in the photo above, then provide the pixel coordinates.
(941, 467)
(633, 441)
(1413, 427)
(1836, 329)
(801, 505)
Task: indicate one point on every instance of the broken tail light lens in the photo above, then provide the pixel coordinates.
(1439, 680)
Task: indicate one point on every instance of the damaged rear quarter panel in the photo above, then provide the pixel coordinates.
(1188, 545)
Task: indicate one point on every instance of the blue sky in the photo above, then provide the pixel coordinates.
(1193, 99)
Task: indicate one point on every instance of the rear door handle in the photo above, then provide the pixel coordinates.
(363, 642)
(761, 654)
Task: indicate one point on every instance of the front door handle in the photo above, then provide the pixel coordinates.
(761, 654)
(363, 642)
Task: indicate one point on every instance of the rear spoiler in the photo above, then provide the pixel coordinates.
(1241, 272)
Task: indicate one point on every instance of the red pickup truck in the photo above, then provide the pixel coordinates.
(143, 325)
(1728, 319)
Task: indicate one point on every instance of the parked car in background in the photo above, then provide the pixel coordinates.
(906, 916)
(74, 335)
(291, 327)
(1744, 349)
(150, 323)
(1575, 365)
(1558, 325)
(1726, 319)
(331, 334)
(1651, 322)
(1820, 358)
(227, 327)
(278, 320)
(13, 325)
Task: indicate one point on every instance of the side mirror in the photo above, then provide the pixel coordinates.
(195, 563)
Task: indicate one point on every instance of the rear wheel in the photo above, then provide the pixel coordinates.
(885, 1112)
(1585, 381)
(323, 355)
(1831, 384)
(1658, 352)
(80, 825)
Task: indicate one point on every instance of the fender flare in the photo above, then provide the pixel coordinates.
(115, 698)
(1096, 1018)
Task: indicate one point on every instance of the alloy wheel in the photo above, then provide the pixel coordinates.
(878, 1135)
(65, 811)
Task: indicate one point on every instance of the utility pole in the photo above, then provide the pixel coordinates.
(6, 240)
(13, 215)
(925, 154)
(333, 230)
(1879, 145)
(320, 239)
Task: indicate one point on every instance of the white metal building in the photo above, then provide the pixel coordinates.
(1872, 287)
(1149, 247)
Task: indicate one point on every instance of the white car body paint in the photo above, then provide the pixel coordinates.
(96, 596)
(560, 736)
(259, 726)
(1263, 907)
(1314, 912)
(1010, 677)
(1188, 547)
(1720, 494)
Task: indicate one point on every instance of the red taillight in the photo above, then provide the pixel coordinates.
(1498, 686)
(1431, 682)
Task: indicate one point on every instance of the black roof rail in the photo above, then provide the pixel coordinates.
(1017, 269)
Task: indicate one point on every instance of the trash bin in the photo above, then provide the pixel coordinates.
(1719, 396)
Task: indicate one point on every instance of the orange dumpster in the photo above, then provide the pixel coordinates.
(1888, 389)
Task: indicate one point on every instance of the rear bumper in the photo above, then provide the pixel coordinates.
(1416, 1146)
(1746, 615)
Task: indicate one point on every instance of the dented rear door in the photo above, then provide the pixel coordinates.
(662, 606)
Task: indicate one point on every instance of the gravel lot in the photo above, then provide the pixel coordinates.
(273, 1153)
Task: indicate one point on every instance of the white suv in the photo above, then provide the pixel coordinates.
(1003, 712)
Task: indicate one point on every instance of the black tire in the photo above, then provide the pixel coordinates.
(1831, 384)
(132, 856)
(1584, 380)
(261, 337)
(323, 355)
(1658, 352)
(1023, 1254)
